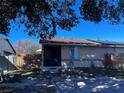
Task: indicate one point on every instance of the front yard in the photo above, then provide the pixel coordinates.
(71, 81)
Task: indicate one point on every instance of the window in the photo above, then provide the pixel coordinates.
(74, 53)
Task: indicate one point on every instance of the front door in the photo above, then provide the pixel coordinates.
(52, 56)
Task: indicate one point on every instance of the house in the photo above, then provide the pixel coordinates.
(7, 55)
(80, 52)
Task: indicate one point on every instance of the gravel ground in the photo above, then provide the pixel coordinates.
(32, 85)
(70, 84)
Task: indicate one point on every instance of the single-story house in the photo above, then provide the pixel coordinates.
(7, 55)
(59, 52)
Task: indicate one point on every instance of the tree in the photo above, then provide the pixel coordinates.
(98, 10)
(32, 61)
(26, 47)
(43, 17)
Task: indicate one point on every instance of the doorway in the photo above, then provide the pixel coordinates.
(52, 56)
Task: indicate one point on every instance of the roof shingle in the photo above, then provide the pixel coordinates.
(69, 41)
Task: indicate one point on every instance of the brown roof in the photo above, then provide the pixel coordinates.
(73, 41)
(70, 41)
(5, 45)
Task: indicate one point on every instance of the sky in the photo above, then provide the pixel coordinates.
(84, 30)
(101, 31)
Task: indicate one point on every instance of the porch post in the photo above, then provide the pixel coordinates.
(42, 47)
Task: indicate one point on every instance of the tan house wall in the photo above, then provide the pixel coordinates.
(119, 50)
(96, 51)
(84, 52)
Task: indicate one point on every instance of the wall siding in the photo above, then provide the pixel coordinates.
(96, 52)
(84, 51)
(119, 50)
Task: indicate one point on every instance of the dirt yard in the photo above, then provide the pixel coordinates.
(67, 83)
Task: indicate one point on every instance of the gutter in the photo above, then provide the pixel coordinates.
(11, 46)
